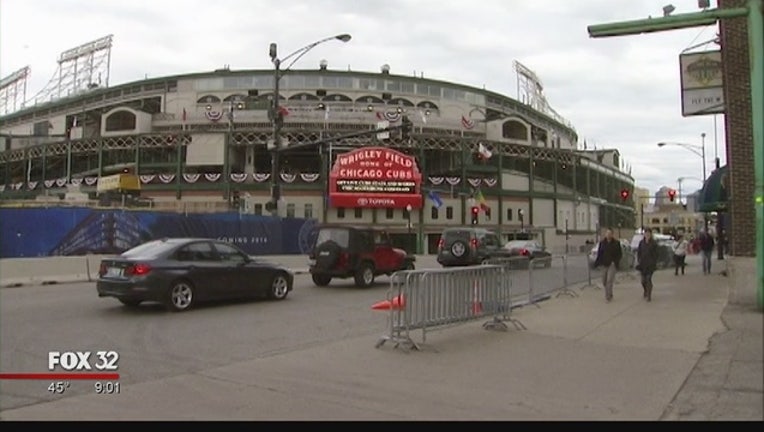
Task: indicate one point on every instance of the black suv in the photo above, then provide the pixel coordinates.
(468, 246)
(362, 253)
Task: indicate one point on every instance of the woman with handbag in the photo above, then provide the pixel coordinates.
(647, 262)
(680, 254)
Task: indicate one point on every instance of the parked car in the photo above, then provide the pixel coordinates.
(665, 247)
(531, 249)
(181, 272)
(359, 252)
(628, 256)
(468, 246)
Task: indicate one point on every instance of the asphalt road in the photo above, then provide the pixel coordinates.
(154, 344)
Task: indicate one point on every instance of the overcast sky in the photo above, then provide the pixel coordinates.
(621, 92)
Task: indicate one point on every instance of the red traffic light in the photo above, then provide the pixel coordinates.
(624, 194)
(475, 210)
(671, 194)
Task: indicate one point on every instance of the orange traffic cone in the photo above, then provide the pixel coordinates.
(397, 303)
(477, 306)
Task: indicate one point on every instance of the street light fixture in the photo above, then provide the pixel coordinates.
(699, 150)
(277, 116)
(679, 181)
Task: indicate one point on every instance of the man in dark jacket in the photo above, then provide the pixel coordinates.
(647, 262)
(608, 256)
(706, 250)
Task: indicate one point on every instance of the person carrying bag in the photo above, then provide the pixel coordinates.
(680, 255)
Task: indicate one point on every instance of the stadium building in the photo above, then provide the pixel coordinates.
(204, 142)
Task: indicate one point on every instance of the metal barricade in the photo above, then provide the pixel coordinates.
(592, 274)
(435, 298)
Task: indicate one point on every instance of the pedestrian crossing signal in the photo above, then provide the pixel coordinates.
(475, 214)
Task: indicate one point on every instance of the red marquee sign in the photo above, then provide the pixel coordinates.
(375, 177)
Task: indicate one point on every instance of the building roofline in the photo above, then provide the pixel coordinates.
(228, 72)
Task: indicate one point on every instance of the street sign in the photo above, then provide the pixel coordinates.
(383, 125)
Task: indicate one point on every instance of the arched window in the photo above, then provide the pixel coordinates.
(337, 98)
(235, 98)
(304, 97)
(514, 129)
(427, 105)
(401, 102)
(122, 120)
(208, 99)
(369, 99)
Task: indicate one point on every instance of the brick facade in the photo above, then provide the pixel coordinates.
(739, 134)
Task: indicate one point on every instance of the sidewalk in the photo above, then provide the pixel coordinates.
(727, 383)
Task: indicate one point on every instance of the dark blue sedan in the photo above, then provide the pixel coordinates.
(181, 272)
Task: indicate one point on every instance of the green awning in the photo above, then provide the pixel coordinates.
(713, 196)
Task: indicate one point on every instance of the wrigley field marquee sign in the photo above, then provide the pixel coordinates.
(375, 177)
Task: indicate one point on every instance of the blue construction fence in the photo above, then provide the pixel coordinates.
(26, 232)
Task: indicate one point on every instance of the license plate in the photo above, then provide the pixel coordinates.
(114, 272)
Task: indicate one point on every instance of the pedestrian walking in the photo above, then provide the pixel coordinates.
(680, 254)
(608, 256)
(706, 250)
(647, 262)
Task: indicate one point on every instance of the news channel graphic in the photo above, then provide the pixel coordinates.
(99, 369)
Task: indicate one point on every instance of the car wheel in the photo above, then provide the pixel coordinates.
(321, 280)
(130, 302)
(364, 277)
(180, 297)
(279, 287)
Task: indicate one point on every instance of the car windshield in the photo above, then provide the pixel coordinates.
(338, 235)
(148, 250)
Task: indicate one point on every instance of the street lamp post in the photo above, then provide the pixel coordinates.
(699, 150)
(409, 208)
(278, 117)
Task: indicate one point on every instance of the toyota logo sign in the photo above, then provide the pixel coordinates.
(363, 201)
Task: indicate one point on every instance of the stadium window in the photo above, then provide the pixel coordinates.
(449, 212)
(308, 211)
(509, 215)
(340, 213)
(389, 213)
(290, 210)
(434, 213)
(358, 213)
(258, 209)
(120, 121)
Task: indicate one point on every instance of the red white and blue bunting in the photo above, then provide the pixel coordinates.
(239, 177)
(191, 178)
(391, 116)
(213, 116)
(467, 123)
(453, 181)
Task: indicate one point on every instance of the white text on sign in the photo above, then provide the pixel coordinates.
(83, 360)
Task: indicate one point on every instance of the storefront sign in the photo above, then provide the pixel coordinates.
(375, 177)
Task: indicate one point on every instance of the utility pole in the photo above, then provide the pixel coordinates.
(754, 12)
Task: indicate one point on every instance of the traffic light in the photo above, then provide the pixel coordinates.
(406, 127)
(624, 194)
(671, 194)
(475, 213)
